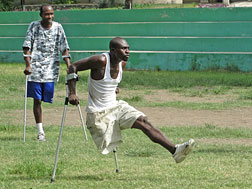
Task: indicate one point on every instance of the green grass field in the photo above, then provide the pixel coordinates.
(142, 164)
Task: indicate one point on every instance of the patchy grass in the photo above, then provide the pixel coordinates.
(142, 164)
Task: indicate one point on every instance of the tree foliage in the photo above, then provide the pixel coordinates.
(64, 1)
(6, 5)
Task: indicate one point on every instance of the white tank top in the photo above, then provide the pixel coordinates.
(101, 93)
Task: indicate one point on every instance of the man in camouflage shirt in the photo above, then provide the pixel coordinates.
(44, 42)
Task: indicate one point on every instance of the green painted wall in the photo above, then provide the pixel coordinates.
(166, 39)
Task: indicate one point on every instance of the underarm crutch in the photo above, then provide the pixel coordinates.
(25, 104)
(61, 130)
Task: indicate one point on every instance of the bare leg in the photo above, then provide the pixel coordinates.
(154, 134)
(37, 110)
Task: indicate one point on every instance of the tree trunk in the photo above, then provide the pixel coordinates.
(128, 4)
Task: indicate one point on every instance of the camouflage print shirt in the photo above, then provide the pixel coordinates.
(45, 46)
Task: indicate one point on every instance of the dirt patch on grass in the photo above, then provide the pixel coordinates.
(165, 95)
(235, 118)
(158, 116)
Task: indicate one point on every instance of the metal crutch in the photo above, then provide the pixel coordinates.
(115, 155)
(79, 109)
(25, 104)
(61, 131)
(82, 122)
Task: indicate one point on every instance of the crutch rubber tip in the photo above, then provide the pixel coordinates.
(52, 180)
(117, 170)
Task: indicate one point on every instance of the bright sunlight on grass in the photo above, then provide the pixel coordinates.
(221, 159)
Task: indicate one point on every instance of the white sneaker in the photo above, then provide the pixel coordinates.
(41, 137)
(182, 150)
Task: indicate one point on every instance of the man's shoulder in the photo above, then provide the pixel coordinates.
(33, 25)
(57, 24)
(101, 58)
(37, 22)
(97, 61)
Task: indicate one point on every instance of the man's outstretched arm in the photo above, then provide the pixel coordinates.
(93, 62)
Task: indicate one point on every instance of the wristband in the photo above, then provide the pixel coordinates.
(26, 55)
(67, 56)
(72, 76)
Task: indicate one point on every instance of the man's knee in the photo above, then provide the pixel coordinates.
(142, 123)
(37, 102)
(140, 119)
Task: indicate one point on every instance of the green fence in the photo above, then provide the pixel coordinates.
(166, 39)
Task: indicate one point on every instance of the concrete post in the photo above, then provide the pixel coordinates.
(226, 2)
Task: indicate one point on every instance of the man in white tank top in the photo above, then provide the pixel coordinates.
(106, 116)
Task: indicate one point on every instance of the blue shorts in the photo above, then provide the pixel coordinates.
(41, 91)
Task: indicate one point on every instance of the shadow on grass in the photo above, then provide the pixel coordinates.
(81, 177)
(102, 177)
(77, 177)
(140, 154)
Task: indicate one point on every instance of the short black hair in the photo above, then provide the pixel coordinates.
(115, 42)
(42, 7)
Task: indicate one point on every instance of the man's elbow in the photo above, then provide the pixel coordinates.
(26, 49)
(72, 68)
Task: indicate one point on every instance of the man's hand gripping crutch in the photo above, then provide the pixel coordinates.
(73, 98)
